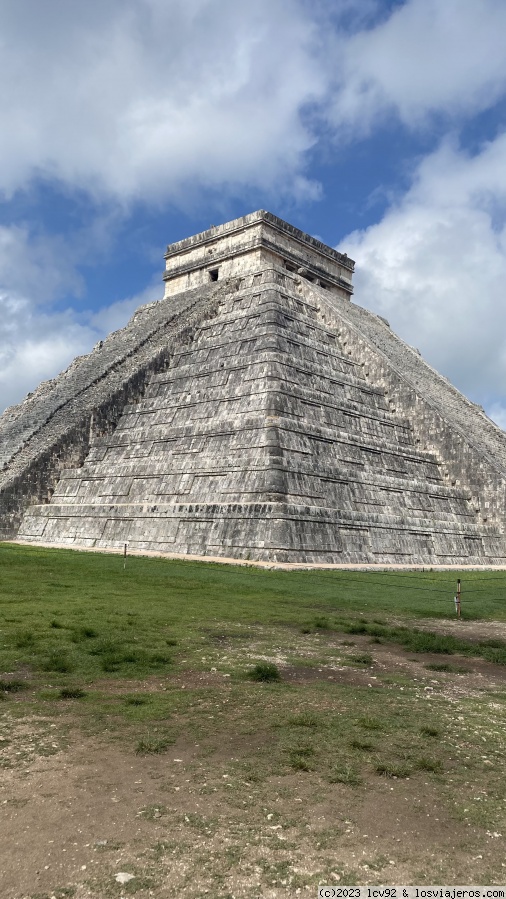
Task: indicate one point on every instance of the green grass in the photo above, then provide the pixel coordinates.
(362, 745)
(264, 671)
(446, 667)
(166, 654)
(73, 622)
(72, 693)
(305, 719)
(430, 731)
(66, 612)
(52, 575)
(360, 660)
(153, 745)
(370, 723)
(12, 685)
(435, 766)
(345, 774)
(393, 769)
(137, 700)
(412, 639)
(58, 660)
(300, 758)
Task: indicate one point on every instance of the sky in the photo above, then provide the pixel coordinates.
(378, 126)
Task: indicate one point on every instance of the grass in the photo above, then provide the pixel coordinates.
(24, 639)
(414, 640)
(362, 745)
(264, 671)
(360, 660)
(345, 774)
(322, 623)
(52, 577)
(305, 719)
(72, 693)
(81, 633)
(430, 731)
(446, 667)
(435, 766)
(58, 660)
(370, 723)
(153, 745)
(155, 652)
(136, 700)
(300, 758)
(12, 686)
(393, 769)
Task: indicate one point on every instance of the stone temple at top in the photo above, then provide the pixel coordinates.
(256, 412)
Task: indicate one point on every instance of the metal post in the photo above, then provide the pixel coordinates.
(458, 598)
(125, 554)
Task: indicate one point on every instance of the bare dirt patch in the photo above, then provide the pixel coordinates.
(196, 820)
(72, 821)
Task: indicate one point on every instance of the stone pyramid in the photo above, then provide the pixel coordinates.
(257, 413)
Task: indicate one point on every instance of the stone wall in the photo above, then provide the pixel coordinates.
(470, 447)
(249, 244)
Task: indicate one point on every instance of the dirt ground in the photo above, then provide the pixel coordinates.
(79, 810)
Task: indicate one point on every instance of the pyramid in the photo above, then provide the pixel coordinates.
(256, 412)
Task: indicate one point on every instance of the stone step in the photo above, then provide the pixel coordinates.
(161, 410)
(148, 469)
(343, 517)
(255, 432)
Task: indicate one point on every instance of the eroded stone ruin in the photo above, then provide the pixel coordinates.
(256, 412)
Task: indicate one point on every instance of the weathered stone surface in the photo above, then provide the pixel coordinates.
(53, 427)
(265, 417)
(248, 245)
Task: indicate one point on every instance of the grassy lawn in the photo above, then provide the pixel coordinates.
(82, 615)
(300, 684)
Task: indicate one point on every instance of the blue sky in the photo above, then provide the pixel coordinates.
(376, 125)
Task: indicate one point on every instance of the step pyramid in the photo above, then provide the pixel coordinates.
(282, 422)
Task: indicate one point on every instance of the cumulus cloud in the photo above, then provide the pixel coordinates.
(435, 266)
(145, 99)
(38, 340)
(37, 343)
(117, 314)
(36, 346)
(132, 100)
(428, 56)
(138, 98)
(35, 264)
(155, 100)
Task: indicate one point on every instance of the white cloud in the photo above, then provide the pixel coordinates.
(37, 265)
(427, 56)
(140, 98)
(129, 100)
(115, 316)
(147, 99)
(435, 266)
(35, 346)
(37, 340)
(153, 100)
